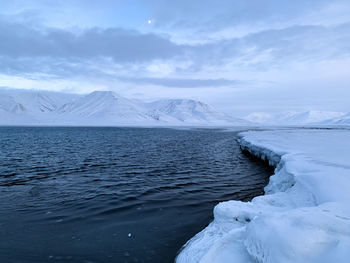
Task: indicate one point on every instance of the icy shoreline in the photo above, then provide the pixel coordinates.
(304, 215)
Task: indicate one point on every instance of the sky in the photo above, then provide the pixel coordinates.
(240, 56)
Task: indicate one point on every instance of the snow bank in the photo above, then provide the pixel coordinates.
(304, 215)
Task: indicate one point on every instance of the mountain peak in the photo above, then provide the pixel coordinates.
(104, 93)
(107, 108)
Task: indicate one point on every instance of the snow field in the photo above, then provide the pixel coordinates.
(304, 215)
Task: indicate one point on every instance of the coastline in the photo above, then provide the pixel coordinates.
(298, 219)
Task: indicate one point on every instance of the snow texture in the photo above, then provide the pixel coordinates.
(104, 108)
(303, 217)
(342, 120)
(297, 117)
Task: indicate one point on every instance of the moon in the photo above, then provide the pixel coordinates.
(149, 21)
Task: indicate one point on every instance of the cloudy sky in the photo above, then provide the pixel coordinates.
(238, 55)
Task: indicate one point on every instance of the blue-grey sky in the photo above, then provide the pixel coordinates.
(238, 55)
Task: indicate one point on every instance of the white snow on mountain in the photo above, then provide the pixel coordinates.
(293, 117)
(37, 101)
(342, 120)
(104, 108)
(12, 112)
(8, 104)
(304, 215)
(22, 107)
(190, 111)
(108, 108)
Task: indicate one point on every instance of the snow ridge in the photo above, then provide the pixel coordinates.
(304, 215)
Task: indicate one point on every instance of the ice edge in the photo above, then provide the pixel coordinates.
(257, 231)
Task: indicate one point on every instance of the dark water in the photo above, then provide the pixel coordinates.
(114, 194)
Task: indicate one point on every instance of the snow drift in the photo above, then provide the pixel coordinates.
(304, 216)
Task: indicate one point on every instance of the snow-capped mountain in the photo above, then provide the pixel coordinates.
(189, 111)
(8, 104)
(19, 107)
(105, 108)
(344, 119)
(38, 101)
(309, 117)
(293, 117)
(12, 112)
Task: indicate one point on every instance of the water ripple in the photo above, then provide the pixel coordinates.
(114, 194)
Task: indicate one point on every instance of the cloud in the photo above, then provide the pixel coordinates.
(119, 44)
(278, 47)
(134, 57)
(261, 49)
(210, 15)
(182, 83)
(99, 51)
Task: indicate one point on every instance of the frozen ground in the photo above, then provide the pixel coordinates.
(304, 217)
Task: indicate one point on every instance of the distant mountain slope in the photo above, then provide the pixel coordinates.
(8, 104)
(190, 111)
(26, 107)
(38, 101)
(104, 108)
(344, 119)
(12, 112)
(293, 117)
(312, 117)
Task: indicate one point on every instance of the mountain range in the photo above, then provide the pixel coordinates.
(104, 108)
(342, 120)
(107, 108)
(299, 118)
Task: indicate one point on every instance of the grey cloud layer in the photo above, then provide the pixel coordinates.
(121, 45)
(206, 14)
(183, 83)
(212, 15)
(63, 53)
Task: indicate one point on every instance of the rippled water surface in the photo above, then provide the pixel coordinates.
(115, 194)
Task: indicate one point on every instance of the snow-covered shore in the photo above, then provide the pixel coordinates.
(304, 217)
